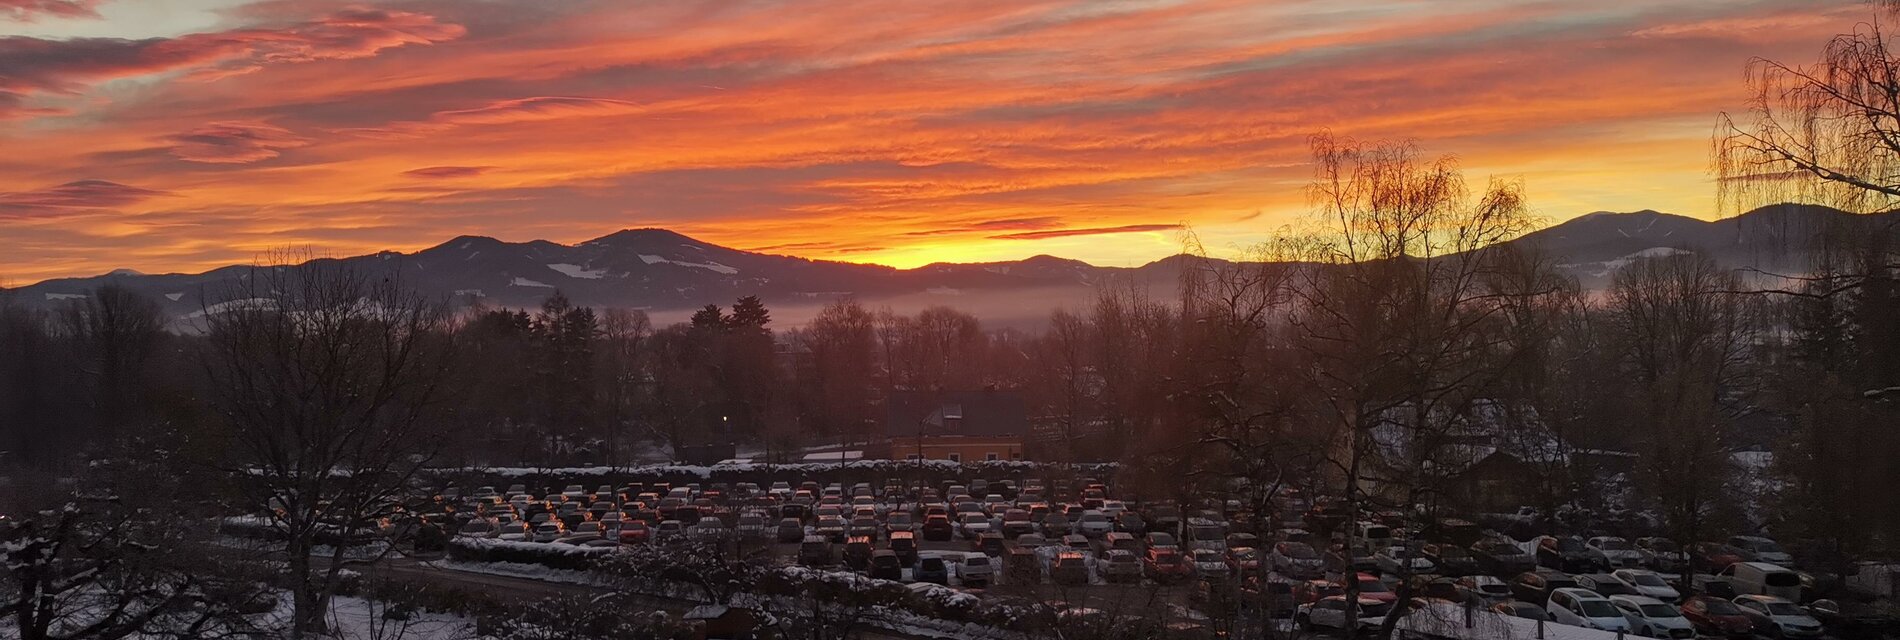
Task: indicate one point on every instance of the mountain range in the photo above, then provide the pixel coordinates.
(669, 274)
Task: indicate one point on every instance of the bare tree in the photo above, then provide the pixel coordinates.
(1683, 338)
(1396, 313)
(323, 377)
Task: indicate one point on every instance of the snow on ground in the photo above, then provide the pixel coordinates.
(577, 271)
(709, 266)
(65, 296)
(524, 282)
(518, 570)
(175, 296)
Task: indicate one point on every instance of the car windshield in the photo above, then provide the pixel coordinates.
(1767, 546)
(1648, 580)
(1499, 548)
(1615, 544)
(1167, 558)
(1721, 607)
(1785, 609)
(1299, 551)
(1569, 544)
(1449, 551)
(1245, 554)
(1371, 585)
(1659, 610)
(1662, 545)
(1598, 609)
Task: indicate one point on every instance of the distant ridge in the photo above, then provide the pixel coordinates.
(662, 270)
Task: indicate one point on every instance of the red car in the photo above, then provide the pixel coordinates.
(634, 532)
(1714, 616)
(1713, 556)
(1167, 565)
(1314, 590)
(1370, 586)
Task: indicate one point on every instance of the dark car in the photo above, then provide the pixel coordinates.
(1165, 565)
(885, 565)
(1017, 522)
(857, 553)
(1568, 553)
(1714, 616)
(1450, 559)
(1522, 609)
(904, 544)
(815, 551)
(1535, 586)
(789, 530)
(1131, 523)
(932, 569)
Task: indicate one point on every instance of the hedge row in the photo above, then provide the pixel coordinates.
(553, 556)
(872, 471)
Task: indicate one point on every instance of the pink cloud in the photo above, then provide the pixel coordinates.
(72, 197)
(234, 142)
(446, 172)
(30, 10)
(30, 65)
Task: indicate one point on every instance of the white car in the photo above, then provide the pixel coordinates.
(1654, 618)
(1647, 583)
(1209, 564)
(1330, 612)
(1788, 619)
(1618, 551)
(1764, 549)
(1094, 524)
(574, 492)
(1397, 559)
(974, 525)
(1584, 608)
(975, 568)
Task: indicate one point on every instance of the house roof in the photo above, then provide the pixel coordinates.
(955, 413)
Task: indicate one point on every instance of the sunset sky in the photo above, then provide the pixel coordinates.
(180, 135)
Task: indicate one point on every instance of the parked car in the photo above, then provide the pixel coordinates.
(1210, 564)
(937, 528)
(1654, 618)
(866, 526)
(931, 568)
(1331, 613)
(1535, 586)
(898, 521)
(1760, 549)
(1070, 568)
(833, 528)
(857, 553)
(1778, 618)
(1501, 557)
(1400, 560)
(1712, 557)
(634, 532)
(815, 551)
(1055, 525)
(1016, 522)
(1094, 524)
(1584, 608)
(1162, 539)
(1567, 553)
(1121, 565)
(974, 525)
(1717, 617)
(1646, 582)
(1313, 590)
(1131, 523)
(1370, 586)
(1296, 560)
(790, 530)
(1450, 559)
(549, 531)
(1761, 578)
(1617, 551)
(976, 570)
(1483, 590)
(1604, 584)
(514, 532)
(1165, 565)
(885, 565)
(1522, 609)
(1662, 554)
(1244, 561)
(904, 544)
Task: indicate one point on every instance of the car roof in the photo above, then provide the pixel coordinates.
(1580, 593)
(1760, 598)
(1636, 600)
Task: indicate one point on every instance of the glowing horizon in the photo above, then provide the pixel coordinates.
(183, 135)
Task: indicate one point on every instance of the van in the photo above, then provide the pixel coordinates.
(1372, 535)
(1761, 578)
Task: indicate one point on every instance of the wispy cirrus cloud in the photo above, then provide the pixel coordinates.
(234, 142)
(73, 197)
(32, 66)
(447, 172)
(31, 10)
(1092, 231)
(517, 110)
